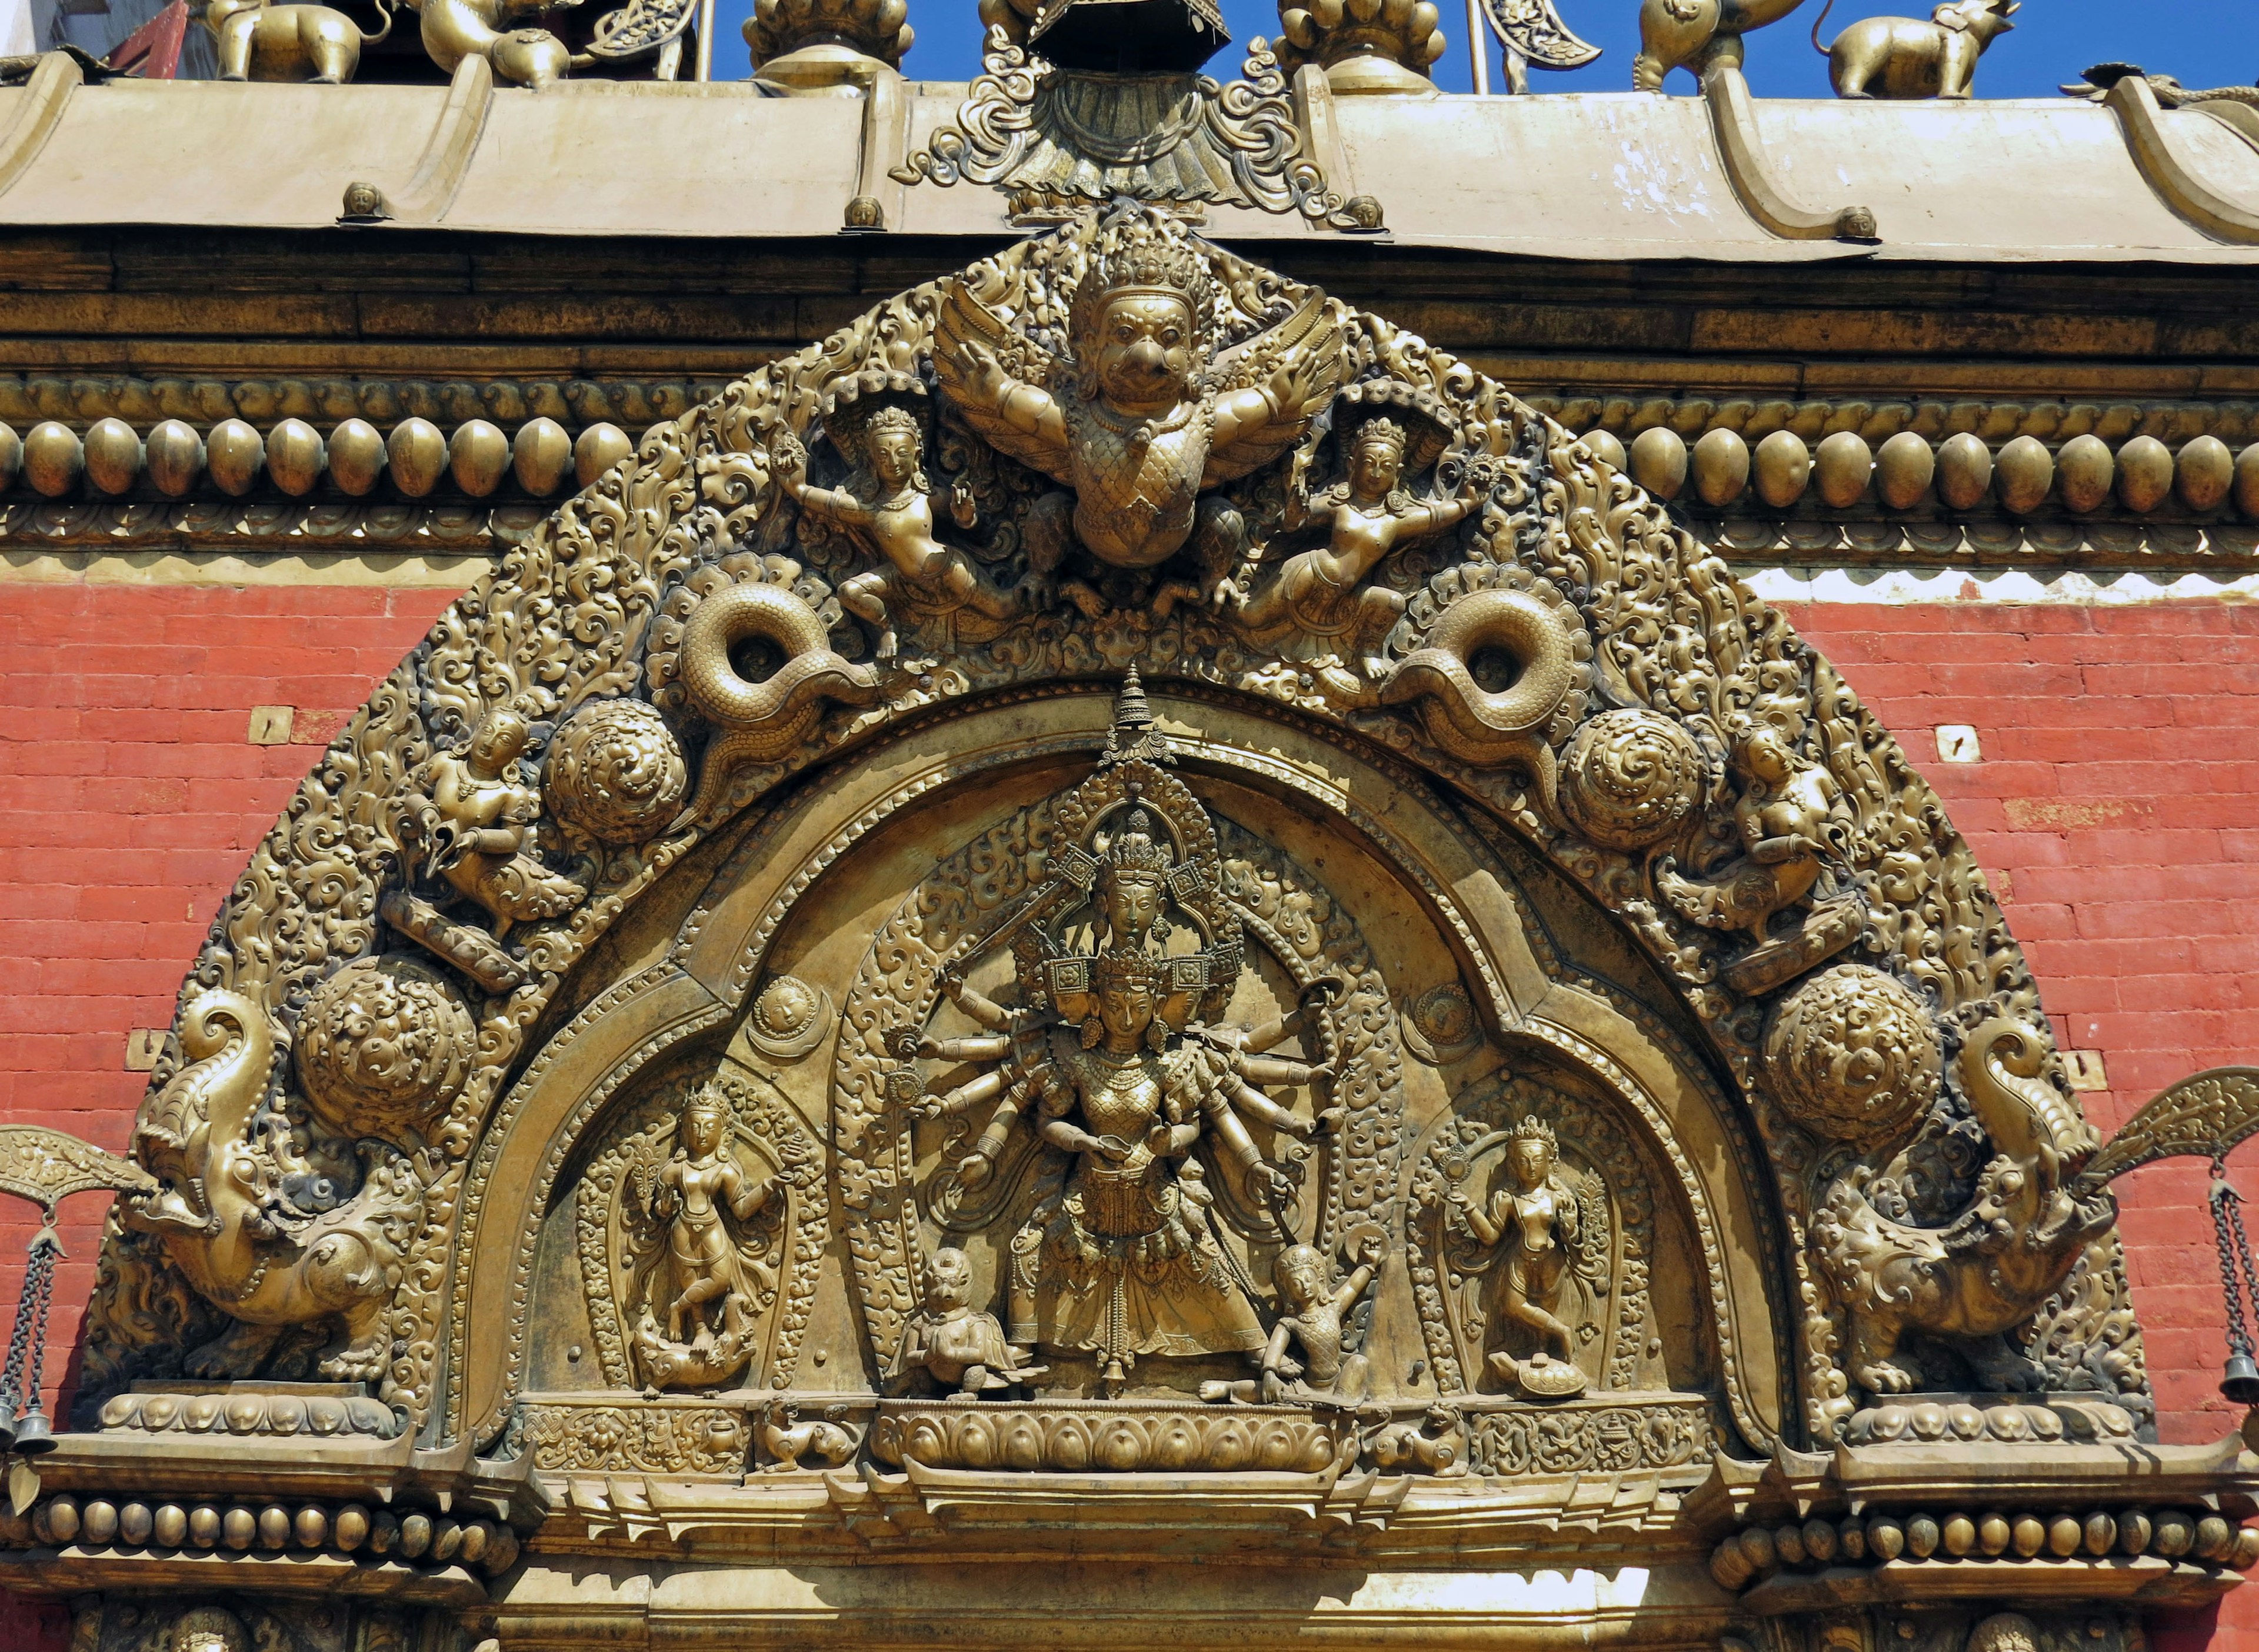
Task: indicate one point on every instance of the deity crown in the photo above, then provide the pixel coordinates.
(1119, 966)
(892, 418)
(1380, 430)
(1533, 1129)
(1133, 857)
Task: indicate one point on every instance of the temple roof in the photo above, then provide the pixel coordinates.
(1619, 176)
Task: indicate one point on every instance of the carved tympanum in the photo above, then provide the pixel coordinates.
(1124, 1045)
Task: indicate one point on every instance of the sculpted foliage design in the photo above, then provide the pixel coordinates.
(1126, 431)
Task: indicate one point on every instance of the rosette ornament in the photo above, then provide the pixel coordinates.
(1364, 46)
(826, 45)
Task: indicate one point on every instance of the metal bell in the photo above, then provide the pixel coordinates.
(2239, 1381)
(34, 1437)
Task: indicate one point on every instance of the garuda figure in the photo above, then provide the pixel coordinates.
(1145, 415)
(1138, 1123)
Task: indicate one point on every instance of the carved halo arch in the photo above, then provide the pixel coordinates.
(719, 952)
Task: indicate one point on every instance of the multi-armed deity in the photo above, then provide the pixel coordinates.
(1144, 1114)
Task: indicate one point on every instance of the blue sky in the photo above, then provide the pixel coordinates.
(2204, 42)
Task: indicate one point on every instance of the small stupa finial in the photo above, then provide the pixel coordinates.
(1134, 734)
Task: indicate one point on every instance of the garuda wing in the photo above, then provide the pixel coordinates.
(966, 327)
(1307, 346)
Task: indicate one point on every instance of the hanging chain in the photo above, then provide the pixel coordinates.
(2239, 1280)
(39, 1276)
(28, 1341)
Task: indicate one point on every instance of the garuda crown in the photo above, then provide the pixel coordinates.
(1139, 250)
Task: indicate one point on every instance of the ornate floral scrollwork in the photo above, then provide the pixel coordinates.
(384, 1047)
(615, 771)
(1055, 136)
(47, 1166)
(1591, 1438)
(1630, 779)
(1854, 1055)
(667, 1438)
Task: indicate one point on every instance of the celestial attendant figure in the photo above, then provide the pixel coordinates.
(479, 825)
(1782, 816)
(951, 1342)
(1317, 592)
(1322, 1375)
(926, 578)
(1533, 1213)
(705, 1263)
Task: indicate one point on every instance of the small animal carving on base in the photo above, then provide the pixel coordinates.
(258, 41)
(1906, 58)
(786, 1439)
(1697, 35)
(1436, 1444)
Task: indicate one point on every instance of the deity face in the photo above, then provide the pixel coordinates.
(1532, 1161)
(1766, 755)
(1301, 1274)
(1144, 349)
(894, 455)
(1375, 463)
(497, 743)
(702, 1131)
(1125, 1009)
(948, 1280)
(1132, 905)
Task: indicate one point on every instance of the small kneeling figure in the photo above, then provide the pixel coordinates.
(1324, 1375)
(953, 1344)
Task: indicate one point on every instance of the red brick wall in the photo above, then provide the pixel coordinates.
(2113, 806)
(130, 796)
